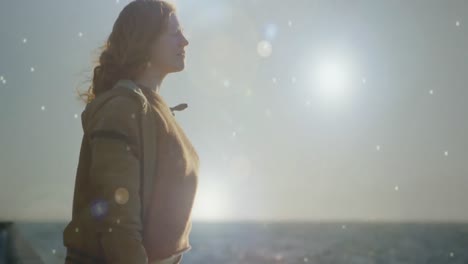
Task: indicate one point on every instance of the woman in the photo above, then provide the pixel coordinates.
(137, 174)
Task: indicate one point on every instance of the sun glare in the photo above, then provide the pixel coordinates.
(333, 79)
(210, 203)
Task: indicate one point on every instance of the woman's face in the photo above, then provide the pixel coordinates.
(168, 54)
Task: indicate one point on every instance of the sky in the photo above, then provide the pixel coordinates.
(306, 110)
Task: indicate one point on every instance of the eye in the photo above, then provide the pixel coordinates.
(181, 30)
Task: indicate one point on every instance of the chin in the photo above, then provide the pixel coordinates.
(176, 67)
(179, 68)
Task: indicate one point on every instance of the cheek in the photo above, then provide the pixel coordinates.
(157, 54)
(164, 53)
(170, 46)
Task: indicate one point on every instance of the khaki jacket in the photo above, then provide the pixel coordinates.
(111, 195)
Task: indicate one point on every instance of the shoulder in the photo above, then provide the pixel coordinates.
(117, 113)
(121, 104)
(119, 107)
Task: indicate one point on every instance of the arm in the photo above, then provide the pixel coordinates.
(115, 181)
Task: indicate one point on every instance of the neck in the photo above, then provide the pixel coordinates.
(150, 80)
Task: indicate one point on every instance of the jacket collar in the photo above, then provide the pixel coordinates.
(131, 83)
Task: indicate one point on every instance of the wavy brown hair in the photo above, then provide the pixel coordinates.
(126, 52)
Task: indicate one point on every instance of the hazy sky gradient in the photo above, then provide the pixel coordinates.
(392, 146)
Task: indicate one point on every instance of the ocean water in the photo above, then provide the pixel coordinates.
(297, 242)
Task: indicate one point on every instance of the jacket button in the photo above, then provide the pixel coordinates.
(121, 195)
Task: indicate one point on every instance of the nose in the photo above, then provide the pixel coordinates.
(185, 41)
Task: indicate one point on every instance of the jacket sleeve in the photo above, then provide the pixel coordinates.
(115, 181)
